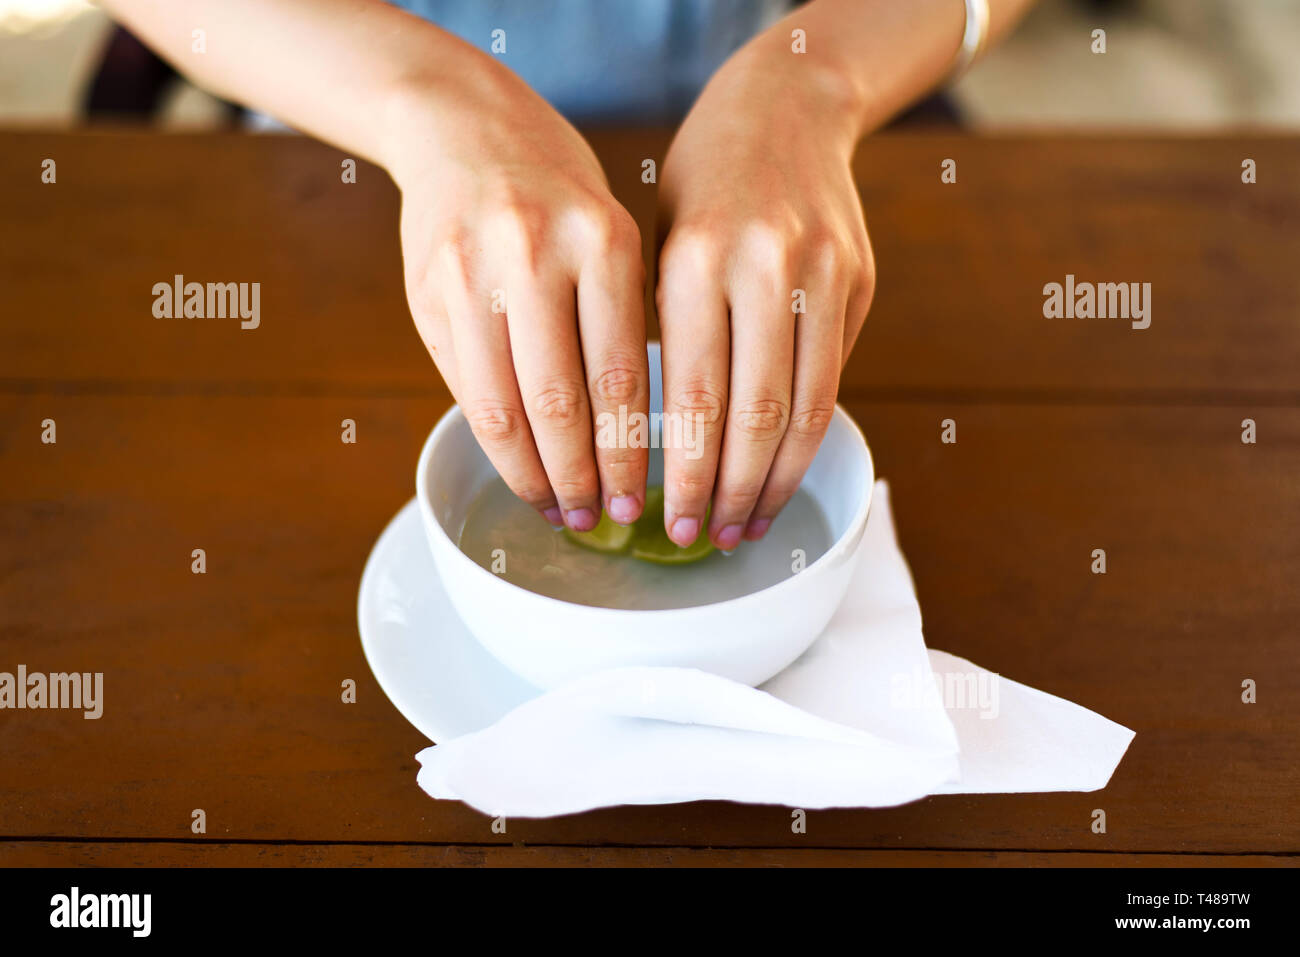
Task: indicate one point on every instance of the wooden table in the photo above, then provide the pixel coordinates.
(222, 691)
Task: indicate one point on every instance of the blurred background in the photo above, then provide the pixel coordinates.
(1170, 65)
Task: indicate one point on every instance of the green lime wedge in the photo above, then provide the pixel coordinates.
(607, 536)
(652, 544)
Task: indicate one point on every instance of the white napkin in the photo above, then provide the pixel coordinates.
(865, 718)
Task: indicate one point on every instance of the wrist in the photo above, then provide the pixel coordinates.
(867, 59)
(820, 91)
(424, 113)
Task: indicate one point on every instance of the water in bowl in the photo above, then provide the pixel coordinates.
(510, 539)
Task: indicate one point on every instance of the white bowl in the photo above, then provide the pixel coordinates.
(547, 641)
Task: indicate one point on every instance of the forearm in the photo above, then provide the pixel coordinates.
(359, 74)
(873, 58)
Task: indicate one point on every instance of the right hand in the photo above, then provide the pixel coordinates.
(526, 282)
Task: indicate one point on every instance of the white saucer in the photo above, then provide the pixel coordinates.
(447, 684)
(432, 669)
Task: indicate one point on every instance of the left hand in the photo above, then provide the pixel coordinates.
(763, 219)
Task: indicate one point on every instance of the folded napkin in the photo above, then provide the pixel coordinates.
(867, 717)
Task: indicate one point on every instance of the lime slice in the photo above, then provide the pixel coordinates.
(652, 544)
(607, 536)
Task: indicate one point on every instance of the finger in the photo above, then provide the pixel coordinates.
(695, 348)
(863, 291)
(611, 322)
(428, 302)
(762, 372)
(540, 314)
(435, 333)
(818, 339)
(489, 397)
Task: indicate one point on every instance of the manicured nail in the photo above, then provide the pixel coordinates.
(729, 537)
(624, 509)
(580, 519)
(757, 528)
(685, 531)
(553, 516)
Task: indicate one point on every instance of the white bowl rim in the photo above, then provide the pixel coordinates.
(455, 416)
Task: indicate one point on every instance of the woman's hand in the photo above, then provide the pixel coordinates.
(765, 277)
(526, 282)
(524, 275)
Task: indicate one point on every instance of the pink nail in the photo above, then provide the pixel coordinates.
(624, 509)
(729, 537)
(685, 531)
(757, 528)
(553, 516)
(580, 519)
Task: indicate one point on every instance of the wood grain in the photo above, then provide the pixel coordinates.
(216, 854)
(958, 306)
(222, 690)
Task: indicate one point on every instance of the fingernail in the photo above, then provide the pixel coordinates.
(553, 516)
(685, 531)
(580, 519)
(729, 537)
(757, 528)
(624, 509)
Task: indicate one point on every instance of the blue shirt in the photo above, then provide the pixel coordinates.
(608, 60)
